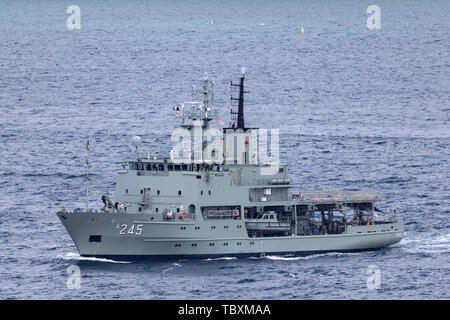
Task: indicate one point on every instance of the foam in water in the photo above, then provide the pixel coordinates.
(428, 244)
(220, 258)
(312, 256)
(76, 256)
(174, 265)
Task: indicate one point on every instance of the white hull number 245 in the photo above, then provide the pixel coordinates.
(130, 229)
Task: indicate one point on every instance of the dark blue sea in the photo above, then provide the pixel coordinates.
(356, 108)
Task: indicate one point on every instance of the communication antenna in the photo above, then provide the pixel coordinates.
(87, 175)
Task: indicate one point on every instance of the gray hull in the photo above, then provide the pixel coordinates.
(135, 235)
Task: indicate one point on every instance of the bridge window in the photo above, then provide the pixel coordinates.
(184, 167)
(155, 167)
(161, 167)
(177, 167)
(179, 192)
(170, 167)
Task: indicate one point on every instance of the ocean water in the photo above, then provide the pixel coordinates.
(356, 109)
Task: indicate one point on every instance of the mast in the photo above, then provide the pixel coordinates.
(197, 115)
(238, 117)
(87, 175)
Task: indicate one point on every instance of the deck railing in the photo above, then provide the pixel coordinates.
(335, 196)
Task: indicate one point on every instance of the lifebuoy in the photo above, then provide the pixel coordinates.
(184, 214)
(368, 222)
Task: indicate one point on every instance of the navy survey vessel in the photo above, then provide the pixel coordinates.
(219, 194)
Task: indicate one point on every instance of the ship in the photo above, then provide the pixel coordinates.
(223, 197)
